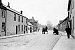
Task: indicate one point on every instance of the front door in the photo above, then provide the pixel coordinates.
(71, 25)
(24, 29)
(16, 29)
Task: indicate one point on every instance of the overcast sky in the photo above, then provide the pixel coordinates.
(42, 10)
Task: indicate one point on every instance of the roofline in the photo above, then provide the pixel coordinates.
(64, 20)
(10, 9)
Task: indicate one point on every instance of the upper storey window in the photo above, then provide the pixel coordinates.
(15, 17)
(3, 13)
(22, 18)
(19, 18)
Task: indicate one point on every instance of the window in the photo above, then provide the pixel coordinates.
(19, 27)
(19, 18)
(3, 13)
(3, 26)
(26, 20)
(14, 17)
(22, 27)
(22, 18)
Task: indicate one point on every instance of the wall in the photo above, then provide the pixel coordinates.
(72, 13)
(11, 24)
(2, 33)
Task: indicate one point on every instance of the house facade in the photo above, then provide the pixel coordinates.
(34, 23)
(62, 24)
(11, 21)
(71, 15)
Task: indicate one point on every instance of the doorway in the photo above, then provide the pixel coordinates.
(16, 29)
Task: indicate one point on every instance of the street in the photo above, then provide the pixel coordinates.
(36, 41)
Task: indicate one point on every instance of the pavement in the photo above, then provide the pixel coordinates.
(35, 41)
(64, 43)
(17, 35)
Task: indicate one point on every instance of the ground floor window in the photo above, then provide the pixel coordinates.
(22, 27)
(19, 27)
(26, 29)
(3, 26)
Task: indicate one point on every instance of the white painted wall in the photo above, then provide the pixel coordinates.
(72, 12)
(11, 24)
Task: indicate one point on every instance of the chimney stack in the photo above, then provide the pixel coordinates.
(21, 11)
(0, 2)
(8, 5)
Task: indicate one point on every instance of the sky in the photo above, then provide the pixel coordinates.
(41, 10)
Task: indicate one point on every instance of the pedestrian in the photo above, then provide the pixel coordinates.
(43, 30)
(68, 31)
(55, 31)
(46, 29)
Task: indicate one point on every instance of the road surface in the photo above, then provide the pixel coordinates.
(37, 41)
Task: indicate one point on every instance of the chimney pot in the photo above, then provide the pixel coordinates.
(8, 5)
(21, 11)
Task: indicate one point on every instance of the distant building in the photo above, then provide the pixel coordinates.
(30, 27)
(11, 21)
(34, 23)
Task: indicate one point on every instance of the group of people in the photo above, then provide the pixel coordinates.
(67, 29)
(55, 31)
(44, 30)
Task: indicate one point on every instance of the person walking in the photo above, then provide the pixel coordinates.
(68, 31)
(46, 29)
(43, 30)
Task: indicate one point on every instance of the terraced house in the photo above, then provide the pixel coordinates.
(62, 24)
(11, 21)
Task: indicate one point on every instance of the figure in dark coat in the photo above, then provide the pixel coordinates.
(68, 31)
(55, 31)
(46, 29)
(43, 30)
